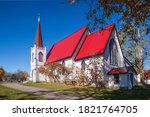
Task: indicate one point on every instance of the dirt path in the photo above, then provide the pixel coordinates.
(48, 94)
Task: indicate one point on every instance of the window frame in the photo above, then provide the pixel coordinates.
(40, 56)
(113, 52)
(116, 79)
(83, 65)
(63, 62)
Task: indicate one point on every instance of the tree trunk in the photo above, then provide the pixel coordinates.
(140, 55)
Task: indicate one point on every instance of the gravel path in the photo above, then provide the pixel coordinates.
(48, 94)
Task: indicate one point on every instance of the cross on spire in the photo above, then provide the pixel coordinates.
(39, 18)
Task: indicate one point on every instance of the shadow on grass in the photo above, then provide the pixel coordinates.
(59, 95)
(20, 96)
(12, 94)
(71, 93)
(138, 93)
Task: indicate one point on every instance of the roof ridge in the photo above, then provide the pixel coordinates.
(90, 41)
(86, 26)
(102, 29)
(65, 47)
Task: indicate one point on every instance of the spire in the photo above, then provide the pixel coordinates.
(39, 18)
(38, 40)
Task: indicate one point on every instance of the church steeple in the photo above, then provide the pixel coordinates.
(38, 56)
(38, 40)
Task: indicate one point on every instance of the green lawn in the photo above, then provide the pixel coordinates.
(12, 94)
(139, 92)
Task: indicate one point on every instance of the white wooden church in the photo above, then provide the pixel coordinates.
(77, 49)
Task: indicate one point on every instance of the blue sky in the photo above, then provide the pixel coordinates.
(18, 24)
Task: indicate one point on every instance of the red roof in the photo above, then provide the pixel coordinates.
(120, 70)
(38, 40)
(95, 43)
(147, 74)
(66, 47)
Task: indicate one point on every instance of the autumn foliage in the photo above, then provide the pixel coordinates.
(91, 74)
(54, 70)
(2, 73)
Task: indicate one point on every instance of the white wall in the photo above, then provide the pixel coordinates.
(123, 80)
(35, 63)
(69, 62)
(107, 53)
(111, 81)
(147, 81)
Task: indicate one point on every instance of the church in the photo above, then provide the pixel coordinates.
(78, 48)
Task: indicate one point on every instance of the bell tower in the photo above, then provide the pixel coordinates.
(38, 55)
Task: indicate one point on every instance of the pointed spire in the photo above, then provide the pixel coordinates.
(39, 18)
(38, 40)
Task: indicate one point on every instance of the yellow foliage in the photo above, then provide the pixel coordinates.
(2, 72)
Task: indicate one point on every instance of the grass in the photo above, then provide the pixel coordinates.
(12, 94)
(52, 86)
(138, 93)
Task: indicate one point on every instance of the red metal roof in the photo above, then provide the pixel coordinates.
(147, 74)
(65, 47)
(95, 43)
(38, 40)
(120, 70)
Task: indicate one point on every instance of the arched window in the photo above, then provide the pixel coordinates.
(113, 52)
(83, 65)
(32, 57)
(40, 57)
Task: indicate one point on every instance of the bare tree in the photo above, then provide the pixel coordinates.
(95, 67)
(54, 71)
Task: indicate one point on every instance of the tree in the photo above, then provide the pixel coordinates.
(91, 74)
(13, 77)
(21, 75)
(95, 67)
(79, 76)
(7, 76)
(18, 76)
(74, 75)
(2, 73)
(133, 18)
(54, 71)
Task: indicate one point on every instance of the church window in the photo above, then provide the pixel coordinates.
(113, 52)
(40, 57)
(83, 65)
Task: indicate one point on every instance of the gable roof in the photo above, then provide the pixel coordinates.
(95, 43)
(66, 47)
